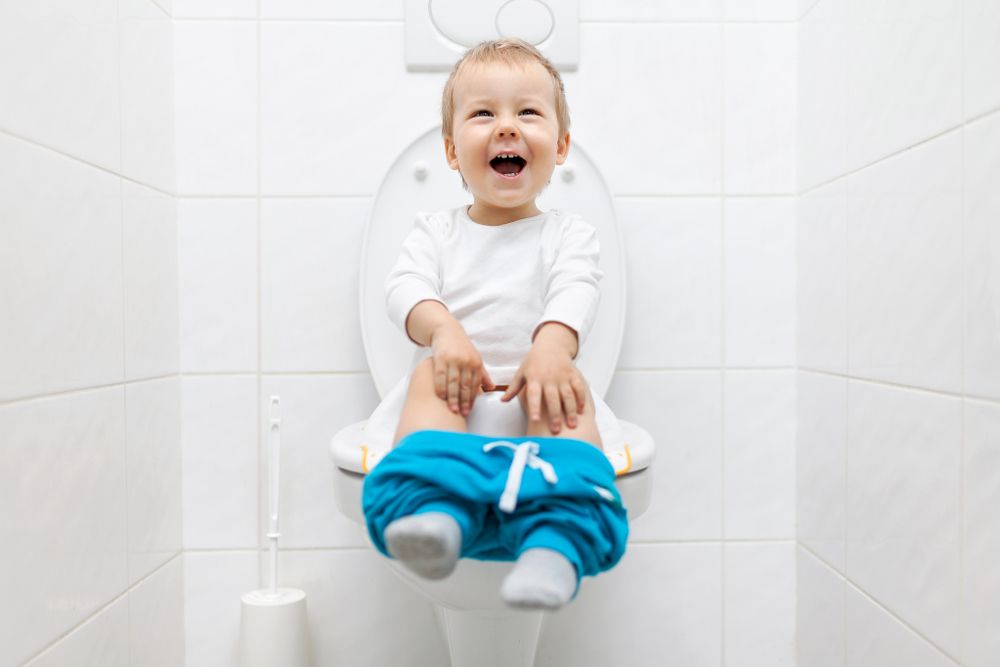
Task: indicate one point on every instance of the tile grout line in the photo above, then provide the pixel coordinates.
(261, 473)
(848, 582)
(129, 589)
(121, 231)
(962, 611)
(722, 339)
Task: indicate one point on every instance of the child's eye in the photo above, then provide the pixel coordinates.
(482, 112)
(530, 111)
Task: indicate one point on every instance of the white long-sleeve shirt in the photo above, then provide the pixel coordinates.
(500, 282)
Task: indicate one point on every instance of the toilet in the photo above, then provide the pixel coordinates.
(480, 630)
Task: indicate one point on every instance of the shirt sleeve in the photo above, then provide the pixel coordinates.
(572, 294)
(416, 275)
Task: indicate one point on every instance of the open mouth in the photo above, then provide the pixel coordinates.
(508, 164)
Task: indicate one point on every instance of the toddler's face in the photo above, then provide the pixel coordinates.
(506, 139)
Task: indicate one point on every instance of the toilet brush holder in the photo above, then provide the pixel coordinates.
(273, 629)
(273, 623)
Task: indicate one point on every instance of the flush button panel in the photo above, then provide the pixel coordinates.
(438, 32)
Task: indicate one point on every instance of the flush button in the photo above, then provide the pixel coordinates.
(531, 20)
(420, 170)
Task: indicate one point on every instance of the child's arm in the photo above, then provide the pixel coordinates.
(458, 368)
(548, 374)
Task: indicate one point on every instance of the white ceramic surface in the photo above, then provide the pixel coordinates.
(760, 100)
(216, 107)
(218, 269)
(673, 316)
(819, 612)
(759, 287)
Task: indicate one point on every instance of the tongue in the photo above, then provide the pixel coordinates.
(507, 167)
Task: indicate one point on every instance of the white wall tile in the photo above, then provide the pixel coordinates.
(60, 62)
(760, 103)
(982, 52)
(821, 463)
(313, 409)
(982, 257)
(760, 605)
(147, 100)
(213, 586)
(149, 221)
(102, 640)
(361, 613)
(876, 639)
(821, 278)
(675, 143)
(902, 56)
(156, 618)
(661, 605)
(219, 436)
(903, 505)
(905, 267)
(651, 10)
(759, 464)
(215, 65)
(674, 278)
(310, 261)
(220, 9)
(153, 454)
(982, 540)
(61, 268)
(683, 413)
(326, 128)
(62, 480)
(760, 282)
(821, 140)
(383, 10)
(819, 613)
(760, 10)
(217, 258)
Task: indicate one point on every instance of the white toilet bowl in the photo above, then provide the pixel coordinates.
(479, 629)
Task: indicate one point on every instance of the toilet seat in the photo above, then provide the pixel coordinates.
(420, 180)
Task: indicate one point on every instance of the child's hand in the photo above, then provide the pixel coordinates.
(548, 374)
(458, 369)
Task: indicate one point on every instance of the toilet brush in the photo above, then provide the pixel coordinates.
(273, 628)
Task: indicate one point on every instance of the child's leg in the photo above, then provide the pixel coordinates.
(545, 575)
(429, 541)
(423, 409)
(586, 422)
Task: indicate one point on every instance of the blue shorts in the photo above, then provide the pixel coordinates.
(565, 498)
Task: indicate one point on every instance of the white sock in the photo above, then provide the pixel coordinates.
(426, 543)
(541, 579)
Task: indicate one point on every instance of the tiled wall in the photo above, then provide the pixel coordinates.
(899, 333)
(289, 114)
(90, 456)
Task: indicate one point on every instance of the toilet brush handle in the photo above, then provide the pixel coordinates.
(273, 488)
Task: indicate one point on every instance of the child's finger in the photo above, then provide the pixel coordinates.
(465, 390)
(580, 389)
(514, 388)
(554, 405)
(534, 395)
(569, 404)
(487, 382)
(453, 379)
(441, 379)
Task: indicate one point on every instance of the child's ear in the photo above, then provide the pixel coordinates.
(562, 149)
(450, 154)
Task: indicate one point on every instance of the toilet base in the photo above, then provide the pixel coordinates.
(490, 638)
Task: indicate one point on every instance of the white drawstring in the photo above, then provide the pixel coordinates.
(525, 454)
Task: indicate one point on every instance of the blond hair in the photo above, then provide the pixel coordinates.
(509, 51)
